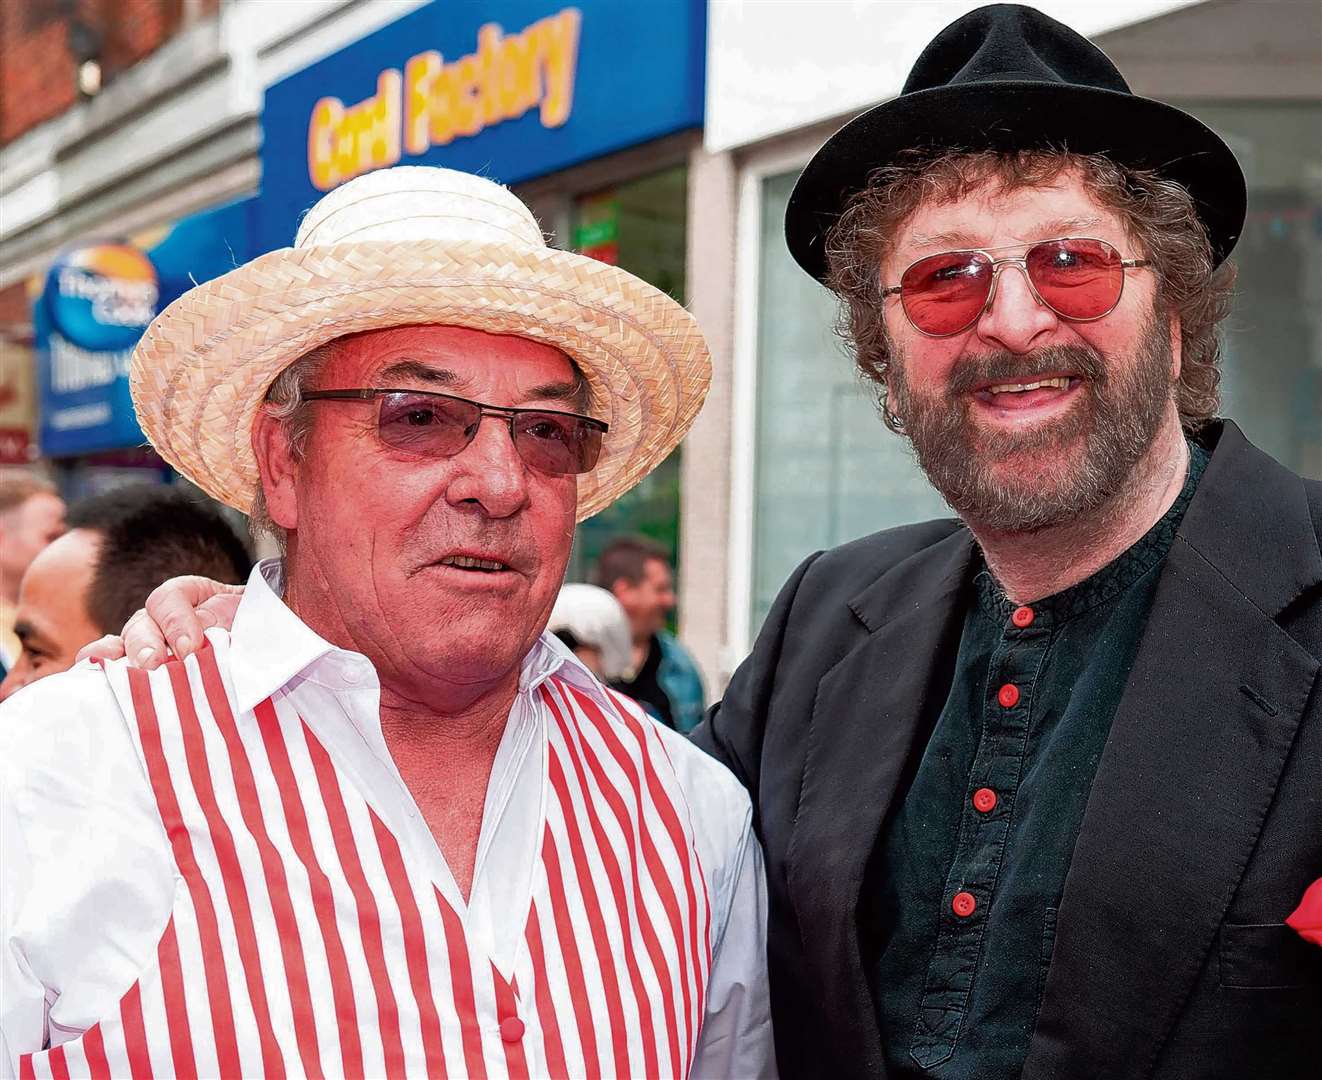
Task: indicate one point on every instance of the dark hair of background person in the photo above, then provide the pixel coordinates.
(626, 558)
(148, 534)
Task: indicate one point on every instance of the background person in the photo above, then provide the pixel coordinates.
(591, 622)
(119, 546)
(31, 516)
(665, 677)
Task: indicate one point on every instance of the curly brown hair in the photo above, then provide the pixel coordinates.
(1159, 215)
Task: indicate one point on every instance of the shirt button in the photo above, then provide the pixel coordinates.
(1008, 696)
(963, 904)
(511, 1029)
(1022, 617)
(984, 800)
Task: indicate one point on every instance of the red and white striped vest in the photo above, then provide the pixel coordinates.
(303, 943)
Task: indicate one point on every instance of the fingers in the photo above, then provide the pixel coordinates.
(110, 647)
(144, 644)
(176, 622)
(220, 610)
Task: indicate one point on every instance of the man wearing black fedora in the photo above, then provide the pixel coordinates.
(1039, 786)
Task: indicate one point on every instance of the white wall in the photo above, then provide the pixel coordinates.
(777, 65)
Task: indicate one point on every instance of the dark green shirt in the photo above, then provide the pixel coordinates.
(972, 862)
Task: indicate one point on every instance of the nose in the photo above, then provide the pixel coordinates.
(1015, 319)
(488, 472)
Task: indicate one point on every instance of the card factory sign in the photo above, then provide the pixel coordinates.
(511, 89)
(435, 102)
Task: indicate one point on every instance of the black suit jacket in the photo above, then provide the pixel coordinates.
(1203, 827)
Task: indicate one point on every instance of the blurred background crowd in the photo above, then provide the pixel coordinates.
(149, 144)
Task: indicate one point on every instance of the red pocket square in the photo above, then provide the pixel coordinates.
(1307, 917)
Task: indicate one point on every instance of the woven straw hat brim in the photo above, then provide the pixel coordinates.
(202, 370)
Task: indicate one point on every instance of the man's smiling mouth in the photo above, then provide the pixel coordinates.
(468, 562)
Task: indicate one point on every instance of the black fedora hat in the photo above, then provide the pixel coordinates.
(1007, 77)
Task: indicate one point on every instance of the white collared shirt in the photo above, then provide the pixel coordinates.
(88, 876)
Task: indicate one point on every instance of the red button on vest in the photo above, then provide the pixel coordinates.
(511, 1029)
(1022, 617)
(963, 904)
(1008, 696)
(984, 800)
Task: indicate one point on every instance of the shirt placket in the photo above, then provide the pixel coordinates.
(984, 823)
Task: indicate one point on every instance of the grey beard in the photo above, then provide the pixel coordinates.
(1118, 416)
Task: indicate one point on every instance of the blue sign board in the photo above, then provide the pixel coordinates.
(97, 301)
(510, 89)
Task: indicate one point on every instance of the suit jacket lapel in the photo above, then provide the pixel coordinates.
(861, 734)
(1189, 769)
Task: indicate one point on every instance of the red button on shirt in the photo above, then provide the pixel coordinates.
(984, 799)
(511, 1029)
(1008, 696)
(1022, 617)
(963, 904)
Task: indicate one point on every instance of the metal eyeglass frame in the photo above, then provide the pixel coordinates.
(1020, 261)
(507, 413)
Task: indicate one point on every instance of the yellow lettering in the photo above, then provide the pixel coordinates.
(489, 51)
(383, 125)
(520, 74)
(326, 116)
(419, 78)
(468, 114)
(445, 106)
(560, 59)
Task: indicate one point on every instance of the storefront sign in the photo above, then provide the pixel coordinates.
(97, 301)
(512, 89)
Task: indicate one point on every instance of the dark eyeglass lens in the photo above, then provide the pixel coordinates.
(426, 425)
(1080, 279)
(556, 443)
(943, 294)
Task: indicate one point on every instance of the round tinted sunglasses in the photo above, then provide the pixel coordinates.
(429, 424)
(1080, 279)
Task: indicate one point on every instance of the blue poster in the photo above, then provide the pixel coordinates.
(510, 89)
(97, 301)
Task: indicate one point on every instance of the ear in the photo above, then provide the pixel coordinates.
(619, 587)
(277, 469)
(1177, 342)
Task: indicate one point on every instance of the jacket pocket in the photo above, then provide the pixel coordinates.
(1267, 956)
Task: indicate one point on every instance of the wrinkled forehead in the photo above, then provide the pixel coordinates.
(470, 354)
(992, 212)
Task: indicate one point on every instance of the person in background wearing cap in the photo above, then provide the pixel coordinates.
(387, 826)
(591, 622)
(1039, 787)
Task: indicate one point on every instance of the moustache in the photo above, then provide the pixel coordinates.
(1003, 367)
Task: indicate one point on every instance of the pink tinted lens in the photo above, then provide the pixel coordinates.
(1080, 279)
(557, 443)
(425, 425)
(943, 294)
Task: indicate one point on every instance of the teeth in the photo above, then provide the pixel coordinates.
(467, 563)
(1061, 383)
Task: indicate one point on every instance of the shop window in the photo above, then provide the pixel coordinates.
(1272, 365)
(827, 470)
(640, 227)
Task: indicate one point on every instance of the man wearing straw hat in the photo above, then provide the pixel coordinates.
(386, 826)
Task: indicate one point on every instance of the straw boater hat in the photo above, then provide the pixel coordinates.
(407, 246)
